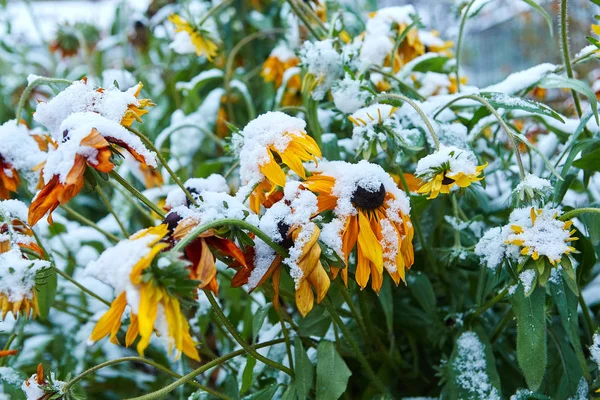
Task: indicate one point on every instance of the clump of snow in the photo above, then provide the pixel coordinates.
(448, 158)
(214, 206)
(196, 186)
(526, 277)
(324, 62)
(19, 149)
(595, 349)
(271, 130)
(521, 80)
(122, 77)
(373, 123)
(18, 275)
(348, 96)
(295, 210)
(283, 53)
(493, 249)
(13, 209)
(582, 392)
(532, 187)
(470, 365)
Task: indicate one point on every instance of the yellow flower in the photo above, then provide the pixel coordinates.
(280, 60)
(156, 305)
(447, 167)
(134, 112)
(381, 232)
(546, 236)
(200, 39)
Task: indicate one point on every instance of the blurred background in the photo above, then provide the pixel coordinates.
(506, 35)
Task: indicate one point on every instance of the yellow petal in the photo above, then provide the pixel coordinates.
(368, 243)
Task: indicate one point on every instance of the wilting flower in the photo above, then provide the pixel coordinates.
(199, 38)
(67, 40)
(20, 154)
(371, 214)
(135, 111)
(269, 138)
(543, 235)
(447, 167)
(38, 387)
(280, 60)
(133, 269)
(288, 223)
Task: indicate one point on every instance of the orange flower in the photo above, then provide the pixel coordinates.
(134, 112)
(280, 60)
(9, 179)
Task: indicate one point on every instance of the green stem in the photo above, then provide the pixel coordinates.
(504, 125)
(233, 222)
(11, 338)
(89, 222)
(587, 315)
(188, 377)
(455, 208)
(140, 360)
(354, 311)
(136, 204)
(286, 337)
(29, 89)
(163, 161)
(111, 210)
(564, 38)
(79, 285)
(413, 104)
(357, 352)
(490, 303)
(303, 18)
(310, 12)
(461, 30)
(231, 169)
(573, 213)
(137, 194)
(213, 10)
(501, 325)
(233, 332)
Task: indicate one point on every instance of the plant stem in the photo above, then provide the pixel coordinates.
(587, 315)
(573, 213)
(353, 310)
(492, 110)
(89, 222)
(357, 352)
(213, 10)
(286, 337)
(501, 325)
(303, 18)
(11, 338)
(564, 38)
(490, 303)
(137, 193)
(413, 104)
(164, 162)
(186, 378)
(136, 204)
(111, 210)
(141, 360)
(234, 222)
(79, 285)
(461, 30)
(29, 89)
(233, 332)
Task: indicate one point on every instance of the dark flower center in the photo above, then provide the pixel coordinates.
(172, 219)
(195, 194)
(447, 181)
(65, 135)
(284, 230)
(367, 200)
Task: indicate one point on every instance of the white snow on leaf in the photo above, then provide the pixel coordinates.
(470, 365)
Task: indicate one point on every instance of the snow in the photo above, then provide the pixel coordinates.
(283, 53)
(123, 78)
(470, 364)
(18, 274)
(347, 95)
(21, 151)
(14, 209)
(492, 248)
(10, 376)
(450, 159)
(526, 277)
(201, 77)
(323, 62)
(521, 80)
(531, 184)
(595, 349)
(271, 130)
(31, 389)
(213, 183)
(214, 206)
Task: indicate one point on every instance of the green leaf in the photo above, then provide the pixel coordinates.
(303, 369)
(387, 303)
(316, 323)
(46, 292)
(531, 334)
(266, 394)
(508, 102)
(258, 319)
(544, 13)
(290, 393)
(248, 374)
(554, 81)
(566, 303)
(590, 161)
(592, 223)
(332, 372)
(431, 64)
(421, 289)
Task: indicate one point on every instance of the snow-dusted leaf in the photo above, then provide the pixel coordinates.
(508, 102)
(554, 81)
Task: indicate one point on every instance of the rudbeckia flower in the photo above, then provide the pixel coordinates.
(371, 215)
(135, 111)
(127, 267)
(280, 60)
(289, 224)
(199, 38)
(447, 167)
(272, 139)
(542, 235)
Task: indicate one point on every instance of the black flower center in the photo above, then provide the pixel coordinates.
(368, 200)
(65, 135)
(447, 180)
(172, 219)
(284, 230)
(195, 194)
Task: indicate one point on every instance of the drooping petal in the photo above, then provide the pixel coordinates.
(110, 322)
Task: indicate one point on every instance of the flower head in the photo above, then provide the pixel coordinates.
(153, 288)
(192, 37)
(272, 139)
(446, 168)
(280, 60)
(371, 215)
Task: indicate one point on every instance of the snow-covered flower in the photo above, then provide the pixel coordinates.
(371, 214)
(532, 189)
(271, 135)
(151, 286)
(39, 387)
(348, 96)
(445, 168)
(323, 64)
(280, 60)
(190, 38)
